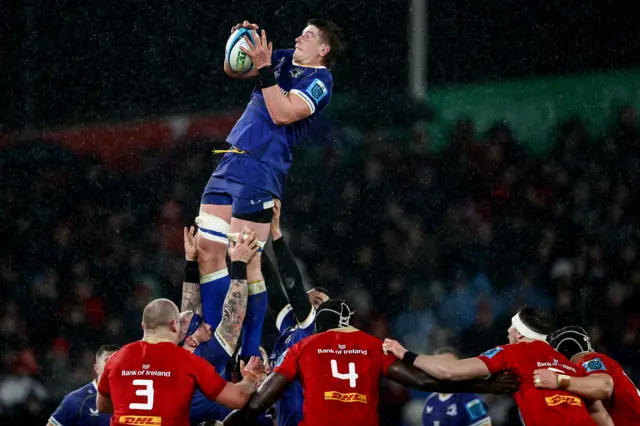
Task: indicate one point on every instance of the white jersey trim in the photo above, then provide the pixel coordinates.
(54, 422)
(281, 316)
(306, 99)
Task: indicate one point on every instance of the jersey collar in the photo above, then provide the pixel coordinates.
(307, 66)
(154, 340)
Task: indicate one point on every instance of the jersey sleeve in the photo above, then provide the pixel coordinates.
(594, 365)
(499, 358)
(285, 319)
(474, 409)
(67, 412)
(209, 382)
(103, 386)
(315, 90)
(287, 364)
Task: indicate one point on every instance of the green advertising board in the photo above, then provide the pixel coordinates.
(534, 108)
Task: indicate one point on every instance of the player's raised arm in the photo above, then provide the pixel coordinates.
(289, 271)
(594, 387)
(227, 69)
(191, 297)
(314, 47)
(278, 300)
(234, 307)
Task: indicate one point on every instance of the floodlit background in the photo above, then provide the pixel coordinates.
(476, 156)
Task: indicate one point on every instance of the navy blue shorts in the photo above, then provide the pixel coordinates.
(239, 181)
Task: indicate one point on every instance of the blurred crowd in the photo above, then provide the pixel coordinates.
(433, 249)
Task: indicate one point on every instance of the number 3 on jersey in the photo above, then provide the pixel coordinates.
(147, 391)
(352, 376)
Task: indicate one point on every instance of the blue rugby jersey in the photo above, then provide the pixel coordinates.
(269, 143)
(79, 409)
(464, 409)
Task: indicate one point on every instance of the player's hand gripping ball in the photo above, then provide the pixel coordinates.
(238, 60)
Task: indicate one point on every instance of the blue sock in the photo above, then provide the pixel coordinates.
(253, 321)
(213, 290)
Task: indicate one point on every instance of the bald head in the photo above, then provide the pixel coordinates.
(160, 314)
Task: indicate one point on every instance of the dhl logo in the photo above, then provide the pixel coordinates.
(140, 420)
(345, 397)
(554, 400)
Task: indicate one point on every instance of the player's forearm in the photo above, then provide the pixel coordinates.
(275, 293)
(278, 104)
(292, 280)
(438, 367)
(191, 298)
(234, 309)
(594, 387)
(412, 377)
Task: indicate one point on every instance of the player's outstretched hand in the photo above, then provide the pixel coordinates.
(503, 382)
(245, 248)
(546, 379)
(259, 49)
(190, 243)
(245, 24)
(394, 347)
(276, 232)
(255, 369)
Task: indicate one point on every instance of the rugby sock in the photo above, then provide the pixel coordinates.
(254, 320)
(213, 290)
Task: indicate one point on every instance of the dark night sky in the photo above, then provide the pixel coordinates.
(64, 62)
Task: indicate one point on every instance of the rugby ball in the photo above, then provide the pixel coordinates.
(238, 60)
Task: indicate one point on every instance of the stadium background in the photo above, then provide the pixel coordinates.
(516, 183)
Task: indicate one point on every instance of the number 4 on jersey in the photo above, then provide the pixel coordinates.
(352, 376)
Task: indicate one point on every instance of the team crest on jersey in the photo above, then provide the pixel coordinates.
(491, 352)
(452, 410)
(475, 409)
(317, 90)
(595, 364)
(296, 72)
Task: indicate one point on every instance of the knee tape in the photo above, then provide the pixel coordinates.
(213, 228)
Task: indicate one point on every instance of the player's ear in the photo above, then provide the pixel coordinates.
(325, 49)
(174, 326)
(95, 369)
